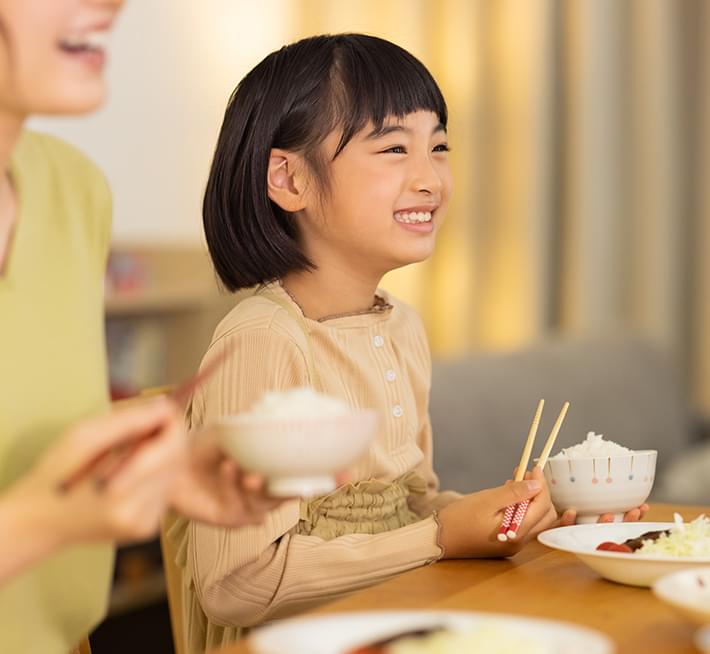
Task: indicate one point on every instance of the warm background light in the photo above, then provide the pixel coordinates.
(578, 130)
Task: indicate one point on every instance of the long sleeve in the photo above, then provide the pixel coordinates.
(248, 575)
(244, 576)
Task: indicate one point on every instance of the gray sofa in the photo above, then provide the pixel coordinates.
(482, 405)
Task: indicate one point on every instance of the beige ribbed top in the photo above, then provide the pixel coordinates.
(378, 359)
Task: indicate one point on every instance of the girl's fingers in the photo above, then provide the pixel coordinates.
(632, 516)
(568, 518)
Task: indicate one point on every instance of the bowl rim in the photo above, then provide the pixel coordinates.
(622, 556)
(660, 590)
(604, 457)
(252, 419)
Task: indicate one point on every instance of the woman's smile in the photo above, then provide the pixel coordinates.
(87, 45)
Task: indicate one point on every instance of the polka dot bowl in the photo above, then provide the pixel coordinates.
(597, 485)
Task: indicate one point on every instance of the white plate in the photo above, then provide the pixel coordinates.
(702, 640)
(338, 633)
(632, 569)
(688, 591)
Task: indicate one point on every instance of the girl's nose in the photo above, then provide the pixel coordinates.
(426, 178)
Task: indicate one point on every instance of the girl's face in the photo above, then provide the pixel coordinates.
(52, 54)
(388, 194)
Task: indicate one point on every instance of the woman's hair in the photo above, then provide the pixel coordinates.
(292, 100)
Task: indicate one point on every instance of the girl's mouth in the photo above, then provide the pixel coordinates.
(413, 217)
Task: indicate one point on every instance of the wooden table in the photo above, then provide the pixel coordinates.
(538, 582)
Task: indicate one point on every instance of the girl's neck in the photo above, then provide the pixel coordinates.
(331, 291)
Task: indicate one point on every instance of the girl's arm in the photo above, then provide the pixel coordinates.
(248, 575)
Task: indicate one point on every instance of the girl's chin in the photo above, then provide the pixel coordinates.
(413, 256)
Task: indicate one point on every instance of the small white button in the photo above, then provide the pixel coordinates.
(378, 341)
(397, 411)
(391, 375)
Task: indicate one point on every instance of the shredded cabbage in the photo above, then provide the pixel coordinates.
(691, 539)
(488, 638)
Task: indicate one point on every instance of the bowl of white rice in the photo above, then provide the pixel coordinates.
(599, 476)
(298, 439)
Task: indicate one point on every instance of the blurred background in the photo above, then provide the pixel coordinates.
(580, 133)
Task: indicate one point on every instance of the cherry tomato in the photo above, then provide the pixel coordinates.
(609, 546)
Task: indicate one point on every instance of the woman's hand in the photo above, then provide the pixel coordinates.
(211, 487)
(123, 464)
(469, 526)
(111, 497)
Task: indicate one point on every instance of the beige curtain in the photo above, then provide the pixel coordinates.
(580, 135)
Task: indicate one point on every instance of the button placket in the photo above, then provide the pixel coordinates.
(390, 375)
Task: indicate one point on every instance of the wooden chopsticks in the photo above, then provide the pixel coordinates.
(514, 514)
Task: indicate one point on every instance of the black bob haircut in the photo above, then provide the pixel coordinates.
(292, 100)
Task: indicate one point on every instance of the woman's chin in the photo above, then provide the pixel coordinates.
(86, 98)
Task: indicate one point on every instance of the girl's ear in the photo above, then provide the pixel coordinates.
(285, 180)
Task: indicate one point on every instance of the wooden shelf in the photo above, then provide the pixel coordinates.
(180, 297)
(157, 301)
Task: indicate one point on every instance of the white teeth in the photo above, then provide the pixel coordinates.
(97, 40)
(414, 217)
(87, 41)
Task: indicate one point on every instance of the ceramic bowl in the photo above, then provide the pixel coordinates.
(688, 591)
(597, 485)
(298, 457)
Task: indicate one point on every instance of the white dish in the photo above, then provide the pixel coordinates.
(632, 569)
(338, 633)
(301, 456)
(702, 640)
(688, 591)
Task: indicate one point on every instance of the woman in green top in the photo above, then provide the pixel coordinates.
(55, 549)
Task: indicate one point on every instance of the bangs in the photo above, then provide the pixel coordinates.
(373, 79)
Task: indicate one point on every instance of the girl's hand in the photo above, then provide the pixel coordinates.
(212, 488)
(125, 505)
(470, 525)
(569, 517)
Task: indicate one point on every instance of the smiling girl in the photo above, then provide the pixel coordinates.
(331, 169)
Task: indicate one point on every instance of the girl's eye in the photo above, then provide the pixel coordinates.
(442, 147)
(395, 149)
